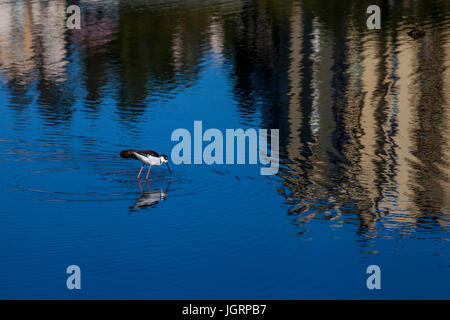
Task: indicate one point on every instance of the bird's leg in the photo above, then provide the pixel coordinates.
(149, 167)
(140, 172)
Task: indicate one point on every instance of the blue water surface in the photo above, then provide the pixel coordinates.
(343, 199)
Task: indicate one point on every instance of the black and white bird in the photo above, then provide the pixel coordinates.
(149, 157)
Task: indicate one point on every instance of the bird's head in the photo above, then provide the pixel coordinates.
(164, 158)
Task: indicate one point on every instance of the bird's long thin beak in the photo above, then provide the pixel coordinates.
(168, 167)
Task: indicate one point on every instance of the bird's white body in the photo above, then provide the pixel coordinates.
(149, 159)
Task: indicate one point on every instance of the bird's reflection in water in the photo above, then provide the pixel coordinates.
(149, 198)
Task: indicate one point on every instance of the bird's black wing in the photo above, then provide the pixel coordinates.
(131, 154)
(148, 153)
(128, 154)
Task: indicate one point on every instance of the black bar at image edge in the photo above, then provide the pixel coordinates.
(222, 309)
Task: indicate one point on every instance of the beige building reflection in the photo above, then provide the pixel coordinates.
(32, 34)
(392, 166)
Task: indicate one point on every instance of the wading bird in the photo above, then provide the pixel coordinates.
(149, 157)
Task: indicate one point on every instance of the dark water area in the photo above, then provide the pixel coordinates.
(364, 172)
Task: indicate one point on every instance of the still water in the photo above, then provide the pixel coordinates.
(364, 149)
